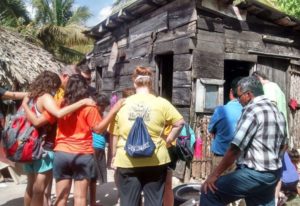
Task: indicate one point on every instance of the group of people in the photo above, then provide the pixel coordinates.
(68, 122)
(250, 137)
(71, 116)
(250, 130)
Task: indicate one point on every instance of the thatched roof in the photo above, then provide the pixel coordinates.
(21, 61)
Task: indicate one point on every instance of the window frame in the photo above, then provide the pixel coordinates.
(201, 85)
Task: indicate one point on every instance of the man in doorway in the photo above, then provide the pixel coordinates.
(258, 146)
(223, 123)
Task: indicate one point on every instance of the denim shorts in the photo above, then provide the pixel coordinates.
(39, 166)
(73, 166)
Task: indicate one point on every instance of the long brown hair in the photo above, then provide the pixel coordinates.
(142, 76)
(45, 82)
(76, 89)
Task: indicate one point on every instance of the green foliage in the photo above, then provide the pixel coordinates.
(13, 13)
(291, 7)
(60, 27)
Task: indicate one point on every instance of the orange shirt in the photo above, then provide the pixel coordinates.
(74, 133)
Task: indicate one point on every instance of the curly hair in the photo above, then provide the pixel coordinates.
(45, 82)
(76, 89)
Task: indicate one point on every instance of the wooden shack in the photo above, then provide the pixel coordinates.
(195, 48)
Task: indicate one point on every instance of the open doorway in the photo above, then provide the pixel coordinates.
(164, 75)
(232, 70)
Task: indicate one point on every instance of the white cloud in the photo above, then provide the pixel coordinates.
(30, 9)
(104, 13)
(75, 6)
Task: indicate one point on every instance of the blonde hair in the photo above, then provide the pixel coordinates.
(142, 76)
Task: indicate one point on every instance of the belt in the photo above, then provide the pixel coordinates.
(242, 166)
(217, 155)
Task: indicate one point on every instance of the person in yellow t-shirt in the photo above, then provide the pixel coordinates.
(147, 174)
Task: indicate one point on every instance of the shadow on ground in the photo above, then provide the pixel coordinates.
(14, 202)
(107, 195)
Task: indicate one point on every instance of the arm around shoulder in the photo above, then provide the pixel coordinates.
(30, 115)
(14, 95)
(102, 125)
(51, 106)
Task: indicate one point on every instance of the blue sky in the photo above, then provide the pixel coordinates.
(99, 8)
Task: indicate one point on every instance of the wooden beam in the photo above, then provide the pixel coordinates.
(241, 57)
(279, 40)
(279, 56)
(151, 3)
(286, 21)
(107, 38)
(182, 62)
(111, 23)
(181, 96)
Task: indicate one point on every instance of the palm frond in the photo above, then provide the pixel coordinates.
(13, 13)
(44, 12)
(270, 3)
(69, 55)
(68, 35)
(80, 15)
(67, 5)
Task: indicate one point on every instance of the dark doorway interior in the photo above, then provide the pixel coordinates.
(99, 78)
(232, 70)
(165, 75)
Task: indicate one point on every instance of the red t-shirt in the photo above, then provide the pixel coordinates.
(74, 133)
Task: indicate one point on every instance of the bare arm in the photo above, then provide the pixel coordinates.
(102, 126)
(176, 129)
(230, 156)
(113, 139)
(30, 115)
(50, 105)
(14, 95)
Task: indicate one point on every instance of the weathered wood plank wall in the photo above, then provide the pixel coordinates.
(166, 30)
(221, 38)
(295, 115)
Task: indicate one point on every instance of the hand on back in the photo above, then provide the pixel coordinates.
(25, 101)
(118, 105)
(88, 102)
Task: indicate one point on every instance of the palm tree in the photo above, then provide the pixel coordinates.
(13, 13)
(60, 27)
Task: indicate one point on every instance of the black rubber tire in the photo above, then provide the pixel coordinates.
(181, 191)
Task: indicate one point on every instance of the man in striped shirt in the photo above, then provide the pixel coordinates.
(258, 146)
